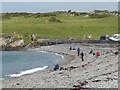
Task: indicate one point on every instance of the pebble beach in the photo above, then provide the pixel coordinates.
(93, 72)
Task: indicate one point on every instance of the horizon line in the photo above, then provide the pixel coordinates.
(59, 11)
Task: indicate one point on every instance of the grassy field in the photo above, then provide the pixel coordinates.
(72, 26)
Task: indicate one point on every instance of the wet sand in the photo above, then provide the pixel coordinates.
(93, 72)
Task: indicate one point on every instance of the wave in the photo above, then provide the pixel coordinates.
(54, 53)
(60, 55)
(43, 51)
(38, 50)
(28, 72)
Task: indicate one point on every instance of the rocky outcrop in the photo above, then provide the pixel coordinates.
(17, 43)
(2, 41)
(7, 44)
(5, 40)
(9, 48)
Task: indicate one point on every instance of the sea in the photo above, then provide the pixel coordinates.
(19, 63)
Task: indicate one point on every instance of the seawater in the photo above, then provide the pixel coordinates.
(18, 63)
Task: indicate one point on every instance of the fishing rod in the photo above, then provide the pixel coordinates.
(52, 63)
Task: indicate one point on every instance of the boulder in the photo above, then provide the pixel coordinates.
(2, 41)
(17, 43)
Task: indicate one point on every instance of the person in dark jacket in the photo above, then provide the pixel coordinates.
(82, 56)
(70, 48)
(56, 67)
(78, 50)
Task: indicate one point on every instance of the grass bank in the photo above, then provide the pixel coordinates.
(72, 26)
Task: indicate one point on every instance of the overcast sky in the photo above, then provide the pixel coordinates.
(57, 6)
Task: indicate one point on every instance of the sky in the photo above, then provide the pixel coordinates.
(35, 7)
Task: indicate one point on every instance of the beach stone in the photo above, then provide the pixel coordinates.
(116, 53)
(17, 84)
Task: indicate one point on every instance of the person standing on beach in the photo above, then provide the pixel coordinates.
(78, 50)
(70, 48)
(98, 53)
(82, 55)
(56, 67)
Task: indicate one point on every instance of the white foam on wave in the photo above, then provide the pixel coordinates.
(37, 49)
(54, 53)
(43, 51)
(60, 55)
(28, 71)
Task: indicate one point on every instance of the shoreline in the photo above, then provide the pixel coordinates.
(49, 42)
(77, 73)
(65, 57)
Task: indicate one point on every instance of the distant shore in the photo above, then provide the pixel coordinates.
(93, 72)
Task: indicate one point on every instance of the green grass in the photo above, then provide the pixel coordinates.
(75, 27)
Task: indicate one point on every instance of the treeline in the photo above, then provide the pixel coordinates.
(94, 14)
(99, 15)
(103, 13)
(9, 15)
(26, 15)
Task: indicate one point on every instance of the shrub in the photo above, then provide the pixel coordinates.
(99, 15)
(6, 17)
(54, 19)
